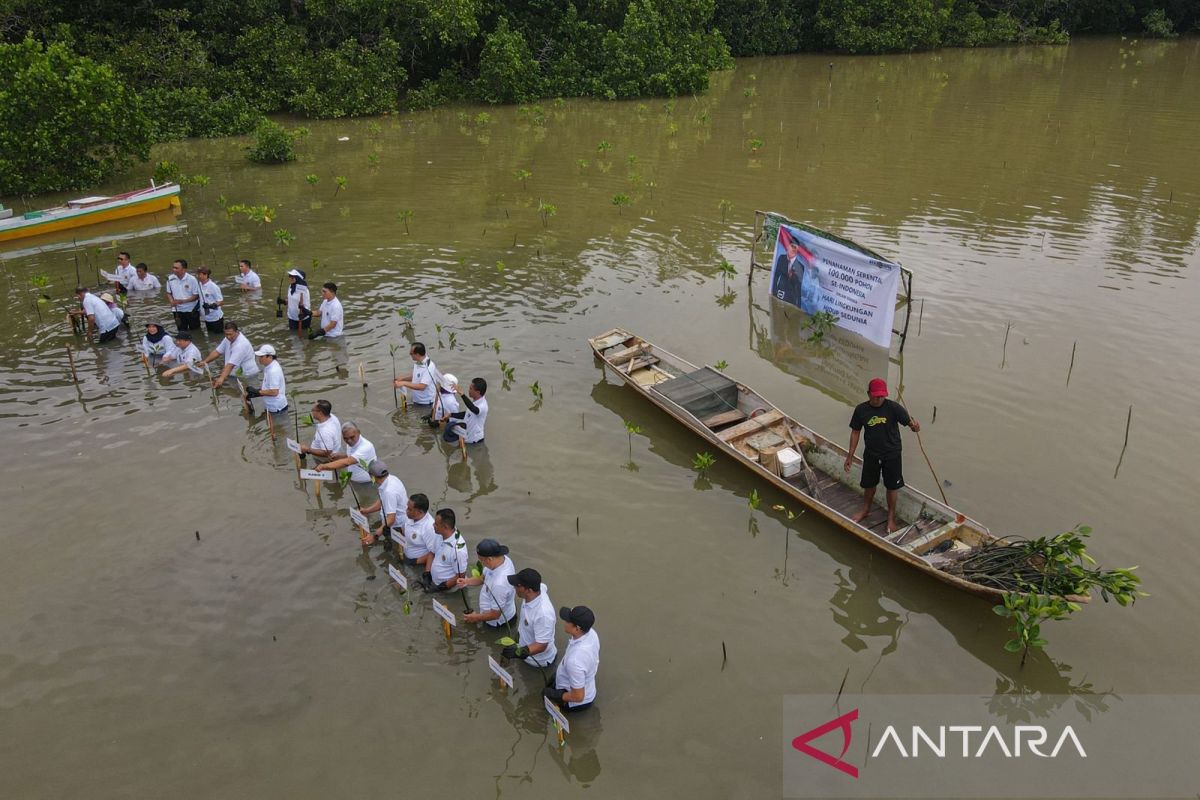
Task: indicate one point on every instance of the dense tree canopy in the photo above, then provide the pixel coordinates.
(182, 68)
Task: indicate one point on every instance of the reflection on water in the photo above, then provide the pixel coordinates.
(1043, 194)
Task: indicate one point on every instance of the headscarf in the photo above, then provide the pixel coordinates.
(155, 338)
(300, 281)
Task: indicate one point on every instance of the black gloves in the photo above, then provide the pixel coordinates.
(554, 695)
(279, 301)
(209, 306)
(317, 334)
(426, 418)
(515, 651)
(252, 392)
(427, 582)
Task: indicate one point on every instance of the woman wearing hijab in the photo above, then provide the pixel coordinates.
(157, 342)
(299, 301)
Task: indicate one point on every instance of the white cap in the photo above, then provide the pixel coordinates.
(295, 273)
(449, 380)
(107, 297)
(265, 350)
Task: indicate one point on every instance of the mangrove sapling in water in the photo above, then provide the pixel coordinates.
(721, 365)
(284, 237)
(631, 429)
(726, 206)
(546, 211)
(702, 462)
(620, 200)
(340, 180)
(523, 175)
(404, 215)
(754, 500)
(755, 145)
(820, 324)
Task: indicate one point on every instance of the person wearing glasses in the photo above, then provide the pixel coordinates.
(422, 383)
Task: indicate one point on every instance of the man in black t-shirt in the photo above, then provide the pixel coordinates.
(882, 419)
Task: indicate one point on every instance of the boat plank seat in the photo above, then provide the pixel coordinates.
(931, 539)
(724, 418)
(621, 356)
(752, 425)
(640, 362)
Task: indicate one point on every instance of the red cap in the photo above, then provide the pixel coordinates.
(877, 388)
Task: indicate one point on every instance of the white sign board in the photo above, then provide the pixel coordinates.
(398, 538)
(294, 446)
(398, 577)
(315, 475)
(444, 613)
(500, 672)
(359, 519)
(556, 715)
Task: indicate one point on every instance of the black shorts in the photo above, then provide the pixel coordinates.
(295, 324)
(215, 327)
(108, 336)
(889, 466)
(188, 320)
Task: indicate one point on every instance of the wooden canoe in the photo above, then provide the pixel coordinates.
(748, 428)
(88, 211)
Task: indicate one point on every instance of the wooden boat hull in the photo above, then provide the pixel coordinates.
(63, 218)
(950, 524)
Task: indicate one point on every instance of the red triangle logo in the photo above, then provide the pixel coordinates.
(801, 742)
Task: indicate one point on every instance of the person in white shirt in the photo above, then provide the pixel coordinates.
(299, 301)
(497, 598)
(448, 562)
(359, 455)
(468, 423)
(143, 280)
(248, 279)
(184, 352)
(211, 300)
(423, 380)
(274, 387)
(418, 537)
(536, 643)
(575, 679)
(101, 319)
(157, 343)
(327, 440)
(183, 293)
(391, 505)
(446, 403)
(238, 354)
(331, 313)
(115, 308)
(123, 275)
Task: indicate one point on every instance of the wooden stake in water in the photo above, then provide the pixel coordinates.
(71, 361)
(1072, 364)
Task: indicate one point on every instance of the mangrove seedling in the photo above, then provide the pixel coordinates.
(483, 118)
(820, 324)
(404, 215)
(726, 299)
(582, 163)
(312, 179)
(726, 206)
(284, 237)
(537, 391)
(727, 271)
(620, 200)
(496, 345)
(603, 147)
(631, 429)
(754, 501)
(438, 327)
(546, 211)
(749, 91)
(523, 175)
(373, 159)
(500, 266)
(406, 316)
(755, 145)
(721, 365)
(702, 462)
(199, 180)
(453, 339)
(508, 371)
(632, 160)
(341, 184)
(373, 129)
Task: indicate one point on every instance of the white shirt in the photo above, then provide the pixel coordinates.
(331, 311)
(497, 594)
(364, 452)
(124, 275)
(241, 354)
(448, 402)
(393, 499)
(579, 666)
(475, 421)
(427, 373)
(537, 625)
(137, 284)
(179, 288)
(293, 302)
(328, 435)
(188, 355)
(273, 379)
(162, 347)
(450, 559)
(419, 536)
(211, 293)
(250, 280)
(106, 320)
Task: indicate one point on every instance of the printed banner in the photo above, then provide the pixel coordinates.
(820, 275)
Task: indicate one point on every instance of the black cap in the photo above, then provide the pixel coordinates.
(490, 548)
(581, 616)
(184, 335)
(529, 578)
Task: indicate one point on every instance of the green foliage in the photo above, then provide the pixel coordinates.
(167, 172)
(620, 200)
(661, 50)
(1156, 25)
(546, 211)
(508, 72)
(68, 122)
(273, 144)
(880, 26)
(722, 365)
(820, 323)
(352, 80)
(284, 237)
(702, 462)
(404, 215)
(755, 501)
